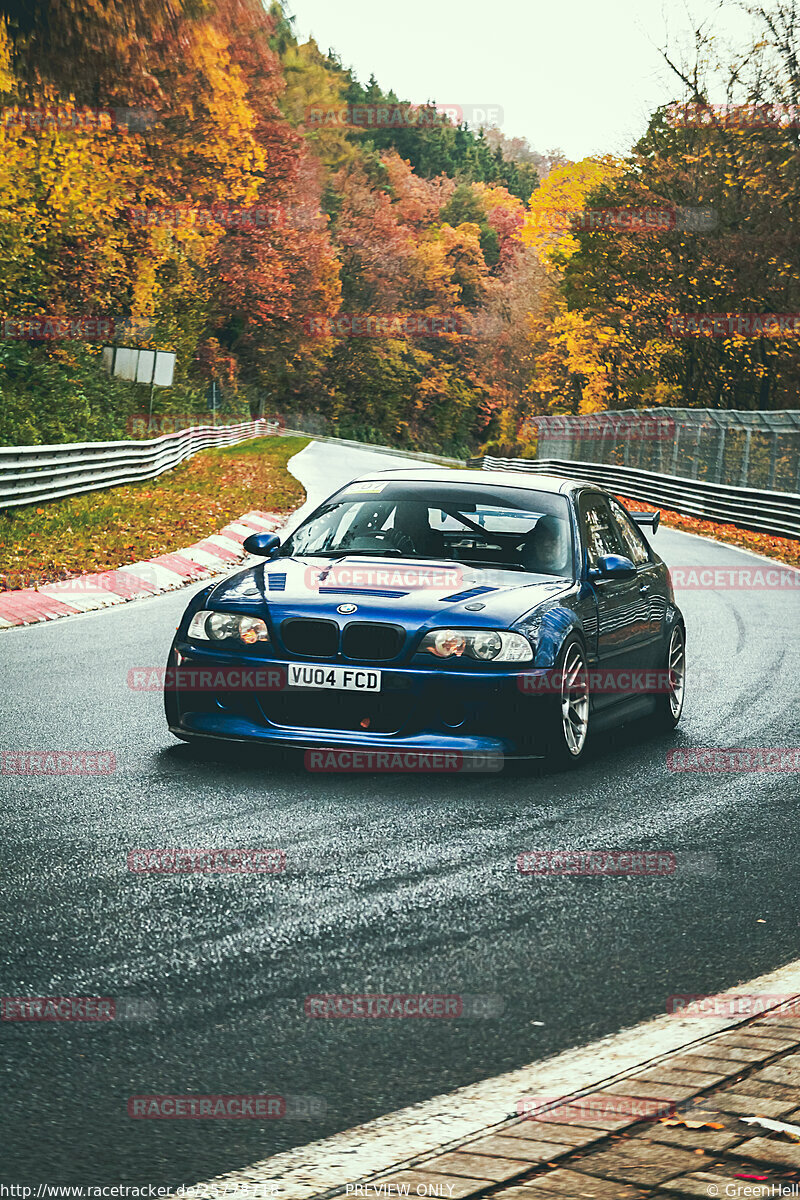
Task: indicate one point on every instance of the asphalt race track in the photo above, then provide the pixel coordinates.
(394, 883)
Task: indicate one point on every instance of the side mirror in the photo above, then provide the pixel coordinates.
(264, 544)
(613, 566)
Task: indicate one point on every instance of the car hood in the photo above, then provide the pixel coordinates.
(406, 591)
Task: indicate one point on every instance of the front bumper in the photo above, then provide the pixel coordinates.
(419, 709)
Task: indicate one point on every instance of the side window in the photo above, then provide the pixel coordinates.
(633, 542)
(599, 531)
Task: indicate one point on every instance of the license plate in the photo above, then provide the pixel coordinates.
(337, 679)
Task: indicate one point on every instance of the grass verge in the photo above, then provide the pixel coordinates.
(103, 530)
(782, 549)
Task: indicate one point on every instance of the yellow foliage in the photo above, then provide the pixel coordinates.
(6, 75)
(57, 185)
(314, 101)
(563, 191)
(463, 250)
(492, 196)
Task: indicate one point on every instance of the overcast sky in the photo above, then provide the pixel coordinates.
(577, 75)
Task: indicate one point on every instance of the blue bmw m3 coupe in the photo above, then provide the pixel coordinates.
(435, 610)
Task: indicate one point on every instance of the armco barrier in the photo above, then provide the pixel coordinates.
(32, 474)
(766, 512)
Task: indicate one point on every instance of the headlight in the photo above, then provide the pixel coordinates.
(487, 645)
(445, 643)
(224, 627)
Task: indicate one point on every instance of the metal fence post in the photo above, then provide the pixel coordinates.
(675, 448)
(720, 455)
(773, 458)
(746, 458)
(696, 462)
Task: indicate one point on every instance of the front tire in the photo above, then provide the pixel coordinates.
(171, 709)
(567, 713)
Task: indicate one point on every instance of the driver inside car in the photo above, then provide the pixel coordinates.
(545, 550)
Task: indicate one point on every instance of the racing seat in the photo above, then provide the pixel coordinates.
(411, 522)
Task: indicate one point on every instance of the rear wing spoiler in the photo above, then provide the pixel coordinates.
(647, 518)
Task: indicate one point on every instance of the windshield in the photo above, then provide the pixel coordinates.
(509, 528)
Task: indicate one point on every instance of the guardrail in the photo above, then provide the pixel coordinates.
(765, 512)
(33, 474)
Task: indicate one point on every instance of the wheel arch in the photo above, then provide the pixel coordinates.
(549, 631)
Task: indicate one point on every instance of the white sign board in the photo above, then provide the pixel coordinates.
(140, 366)
(144, 370)
(125, 363)
(165, 368)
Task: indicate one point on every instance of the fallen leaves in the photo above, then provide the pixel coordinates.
(689, 1124)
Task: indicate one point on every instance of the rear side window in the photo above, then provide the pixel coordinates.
(632, 540)
(600, 536)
